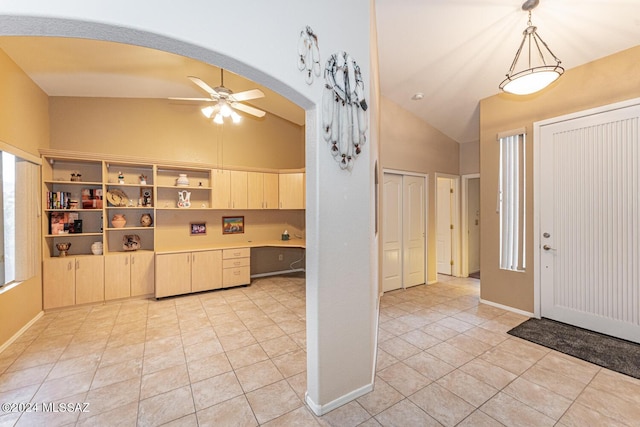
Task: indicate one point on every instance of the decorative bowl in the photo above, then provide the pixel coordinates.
(63, 248)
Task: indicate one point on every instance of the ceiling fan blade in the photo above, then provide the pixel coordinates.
(192, 99)
(247, 109)
(203, 85)
(247, 95)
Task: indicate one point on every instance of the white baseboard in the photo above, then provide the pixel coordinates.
(22, 330)
(276, 273)
(506, 307)
(320, 410)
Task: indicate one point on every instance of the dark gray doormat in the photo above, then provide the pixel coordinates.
(603, 350)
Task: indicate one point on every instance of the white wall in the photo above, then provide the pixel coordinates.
(340, 265)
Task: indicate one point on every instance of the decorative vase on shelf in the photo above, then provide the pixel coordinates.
(118, 220)
(96, 248)
(146, 220)
(184, 199)
(63, 248)
(182, 180)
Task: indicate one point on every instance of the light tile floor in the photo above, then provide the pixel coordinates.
(237, 357)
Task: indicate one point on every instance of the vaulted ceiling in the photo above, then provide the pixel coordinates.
(455, 52)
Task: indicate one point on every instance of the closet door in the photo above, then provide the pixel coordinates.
(404, 222)
(413, 230)
(392, 232)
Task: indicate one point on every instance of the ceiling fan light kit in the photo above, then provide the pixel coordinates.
(226, 101)
(536, 76)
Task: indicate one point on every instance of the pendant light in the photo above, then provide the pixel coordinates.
(538, 73)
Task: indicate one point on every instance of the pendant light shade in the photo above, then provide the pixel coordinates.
(538, 73)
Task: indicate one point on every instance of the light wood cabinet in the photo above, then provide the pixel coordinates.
(128, 274)
(72, 280)
(186, 272)
(236, 268)
(89, 279)
(291, 191)
(59, 282)
(238, 185)
(173, 274)
(262, 190)
(221, 188)
(206, 273)
(142, 273)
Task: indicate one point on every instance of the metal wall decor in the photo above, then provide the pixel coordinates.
(308, 54)
(344, 107)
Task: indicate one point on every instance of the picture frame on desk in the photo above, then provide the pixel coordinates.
(232, 224)
(198, 228)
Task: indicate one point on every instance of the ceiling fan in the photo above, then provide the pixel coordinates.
(226, 101)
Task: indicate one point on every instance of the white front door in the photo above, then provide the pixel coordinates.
(413, 230)
(443, 225)
(392, 218)
(589, 177)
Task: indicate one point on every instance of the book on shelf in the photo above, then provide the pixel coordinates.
(65, 222)
(58, 199)
(92, 198)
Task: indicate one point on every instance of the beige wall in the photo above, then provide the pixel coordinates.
(608, 80)
(24, 124)
(163, 129)
(408, 143)
(470, 158)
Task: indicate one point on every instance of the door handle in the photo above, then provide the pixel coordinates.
(547, 248)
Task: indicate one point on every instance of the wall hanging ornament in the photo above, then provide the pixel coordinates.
(308, 54)
(344, 107)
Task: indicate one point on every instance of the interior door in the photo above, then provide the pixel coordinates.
(392, 232)
(590, 222)
(443, 225)
(413, 230)
(473, 224)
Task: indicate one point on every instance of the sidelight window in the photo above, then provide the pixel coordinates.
(512, 200)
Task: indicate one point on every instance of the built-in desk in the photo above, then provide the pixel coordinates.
(217, 266)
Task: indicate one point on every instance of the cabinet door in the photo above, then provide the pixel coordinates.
(221, 188)
(59, 286)
(142, 273)
(255, 190)
(117, 276)
(238, 190)
(270, 191)
(89, 279)
(173, 274)
(291, 190)
(206, 270)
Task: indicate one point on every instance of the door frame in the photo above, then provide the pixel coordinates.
(455, 218)
(464, 256)
(426, 219)
(537, 175)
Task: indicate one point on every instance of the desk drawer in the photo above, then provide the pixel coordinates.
(236, 253)
(235, 262)
(236, 276)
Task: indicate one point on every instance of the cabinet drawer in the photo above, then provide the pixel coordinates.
(236, 276)
(236, 253)
(235, 262)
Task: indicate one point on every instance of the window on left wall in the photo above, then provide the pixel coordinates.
(19, 227)
(8, 235)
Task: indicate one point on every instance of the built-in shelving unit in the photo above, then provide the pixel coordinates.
(82, 195)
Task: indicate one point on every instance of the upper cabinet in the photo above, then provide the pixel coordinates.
(262, 190)
(291, 190)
